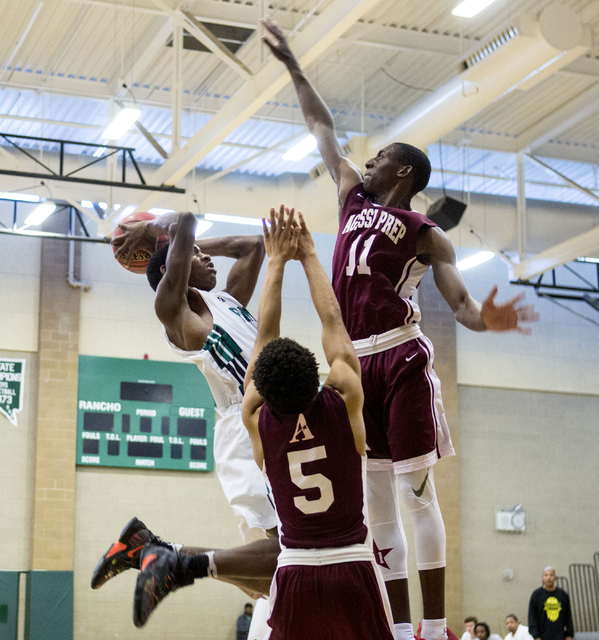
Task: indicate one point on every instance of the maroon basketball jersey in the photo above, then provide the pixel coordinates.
(315, 473)
(375, 268)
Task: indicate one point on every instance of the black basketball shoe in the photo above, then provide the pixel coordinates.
(161, 573)
(125, 553)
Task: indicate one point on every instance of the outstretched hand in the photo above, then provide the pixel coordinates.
(508, 316)
(305, 245)
(135, 236)
(281, 240)
(278, 42)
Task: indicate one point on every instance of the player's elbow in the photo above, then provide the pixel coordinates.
(185, 221)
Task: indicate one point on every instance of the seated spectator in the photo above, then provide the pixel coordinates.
(469, 624)
(483, 632)
(516, 630)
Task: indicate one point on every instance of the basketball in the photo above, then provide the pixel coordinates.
(139, 264)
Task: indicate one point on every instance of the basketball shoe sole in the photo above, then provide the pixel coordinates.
(125, 553)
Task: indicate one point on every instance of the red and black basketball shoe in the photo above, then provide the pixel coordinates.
(161, 573)
(125, 553)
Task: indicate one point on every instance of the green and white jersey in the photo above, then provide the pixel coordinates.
(225, 357)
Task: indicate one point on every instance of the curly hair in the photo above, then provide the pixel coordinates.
(153, 272)
(286, 376)
(421, 167)
(485, 627)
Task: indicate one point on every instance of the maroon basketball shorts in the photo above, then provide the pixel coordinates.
(339, 601)
(403, 410)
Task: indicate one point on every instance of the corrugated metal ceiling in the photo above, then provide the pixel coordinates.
(59, 69)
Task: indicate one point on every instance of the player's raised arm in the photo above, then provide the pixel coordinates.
(280, 242)
(172, 289)
(316, 114)
(436, 249)
(248, 253)
(344, 375)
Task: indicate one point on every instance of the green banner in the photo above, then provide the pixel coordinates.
(12, 380)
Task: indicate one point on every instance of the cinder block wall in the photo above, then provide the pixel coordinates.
(54, 492)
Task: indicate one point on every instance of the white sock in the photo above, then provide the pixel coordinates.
(403, 631)
(434, 629)
(212, 572)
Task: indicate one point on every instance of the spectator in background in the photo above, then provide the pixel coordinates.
(549, 614)
(483, 632)
(244, 621)
(469, 624)
(516, 630)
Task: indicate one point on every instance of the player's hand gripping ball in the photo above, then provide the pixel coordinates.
(142, 245)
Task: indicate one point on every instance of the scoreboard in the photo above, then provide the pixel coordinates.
(144, 414)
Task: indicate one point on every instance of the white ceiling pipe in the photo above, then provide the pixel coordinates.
(541, 47)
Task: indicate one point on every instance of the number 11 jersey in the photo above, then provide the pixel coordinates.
(375, 267)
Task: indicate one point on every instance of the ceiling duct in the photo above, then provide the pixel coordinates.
(489, 47)
(520, 57)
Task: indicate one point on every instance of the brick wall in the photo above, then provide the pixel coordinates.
(54, 490)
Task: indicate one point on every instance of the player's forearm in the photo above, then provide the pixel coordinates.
(269, 307)
(322, 292)
(231, 246)
(469, 314)
(314, 109)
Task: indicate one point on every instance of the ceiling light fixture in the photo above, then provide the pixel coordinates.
(39, 214)
(470, 8)
(19, 197)
(475, 260)
(301, 149)
(219, 217)
(157, 211)
(121, 124)
(203, 226)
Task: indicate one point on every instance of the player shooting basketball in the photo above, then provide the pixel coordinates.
(382, 251)
(217, 333)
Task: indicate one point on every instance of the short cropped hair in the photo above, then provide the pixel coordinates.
(153, 272)
(471, 619)
(286, 376)
(512, 615)
(406, 154)
(485, 625)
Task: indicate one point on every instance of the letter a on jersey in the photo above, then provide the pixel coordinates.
(302, 431)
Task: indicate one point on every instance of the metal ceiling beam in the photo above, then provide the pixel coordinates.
(20, 41)
(137, 67)
(582, 245)
(308, 45)
(565, 117)
(221, 174)
(554, 172)
(246, 16)
(187, 21)
(208, 39)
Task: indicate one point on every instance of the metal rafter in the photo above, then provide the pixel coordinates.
(308, 45)
(567, 116)
(60, 175)
(187, 20)
(582, 245)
